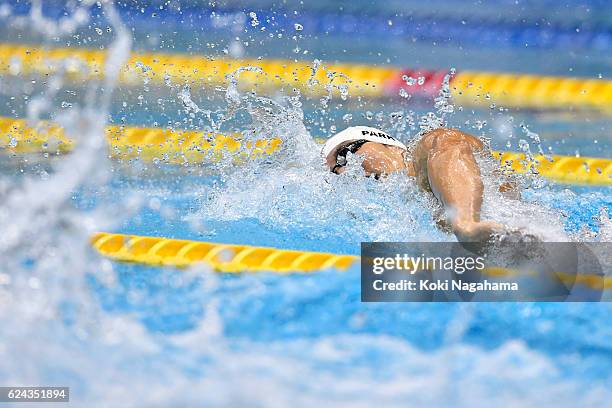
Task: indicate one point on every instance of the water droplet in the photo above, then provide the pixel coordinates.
(409, 80)
(254, 20)
(523, 145)
(404, 94)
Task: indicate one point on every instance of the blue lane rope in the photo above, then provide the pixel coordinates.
(488, 31)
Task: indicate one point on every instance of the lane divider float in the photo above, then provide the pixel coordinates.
(221, 257)
(562, 169)
(531, 91)
(469, 88)
(172, 146)
(161, 68)
(232, 258)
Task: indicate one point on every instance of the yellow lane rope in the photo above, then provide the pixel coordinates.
(531, 91)
(562, 169)
(17, 136)
(468, 88)
(87, 64)
(221, 257)
(157, 251)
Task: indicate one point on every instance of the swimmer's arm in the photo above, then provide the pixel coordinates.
(444, 163)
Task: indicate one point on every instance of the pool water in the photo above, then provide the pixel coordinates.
(131, 335)
(317, 322)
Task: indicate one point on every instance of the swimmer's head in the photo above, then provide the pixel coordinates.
(350, 136)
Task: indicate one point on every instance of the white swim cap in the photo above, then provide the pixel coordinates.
(360, 133)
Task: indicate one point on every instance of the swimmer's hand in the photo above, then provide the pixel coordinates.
(490, 231)
(477, 231)
(517, 236)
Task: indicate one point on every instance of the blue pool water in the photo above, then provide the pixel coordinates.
(289, 314)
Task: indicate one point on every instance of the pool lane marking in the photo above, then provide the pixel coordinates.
(562, 169)
(489, 89)
(221, 257)
(232, 258)
(469, 88)
(172, 146)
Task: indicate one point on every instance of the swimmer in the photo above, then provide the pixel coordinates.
(442, 162)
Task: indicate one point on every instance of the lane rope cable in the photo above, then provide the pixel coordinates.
(172, 146)
(232, 258)
(469, 88)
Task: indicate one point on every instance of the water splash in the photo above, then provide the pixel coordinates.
(45, 253)
(50, 28)
(293, 190)
(443, 105)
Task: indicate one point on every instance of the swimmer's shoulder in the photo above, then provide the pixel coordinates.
(451, 136)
